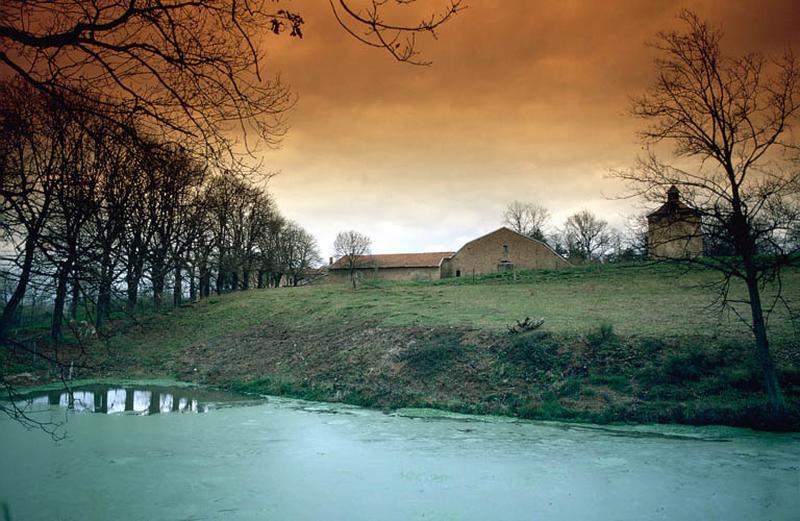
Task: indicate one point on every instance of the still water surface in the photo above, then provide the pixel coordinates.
(153, 453)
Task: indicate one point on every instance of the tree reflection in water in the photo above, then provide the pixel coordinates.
(111, 400)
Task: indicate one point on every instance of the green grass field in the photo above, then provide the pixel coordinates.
(632, 342)
(637, 300)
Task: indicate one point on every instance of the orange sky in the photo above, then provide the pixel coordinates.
(525, 100)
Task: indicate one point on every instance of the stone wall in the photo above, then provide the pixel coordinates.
(501, 250)
(406, 274)
(674, 237)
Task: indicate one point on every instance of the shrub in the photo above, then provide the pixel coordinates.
(691, 367)
(536, 352)
(571, 387)
(615, 382)
(434, 354)
(605, 351)
(602, 337)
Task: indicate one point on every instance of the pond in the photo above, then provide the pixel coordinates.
(183, 453)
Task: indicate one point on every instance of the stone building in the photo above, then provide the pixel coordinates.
(393, 266)
(498, 251)
(673, 231)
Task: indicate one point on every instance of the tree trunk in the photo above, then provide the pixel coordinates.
(177, 289)
(205, 280)
(103, 310)
(59, 302)
(220, 282)
(246, 279)
(133, 293)
(260, 278)
(22, 285)
(157, 276)
(777, 405)
(132, 277)
(75, 298)
(62, 279)
(192, 284)
(158, 288)
(746, 247)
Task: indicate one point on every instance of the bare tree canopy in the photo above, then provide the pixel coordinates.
(369, 25)
(529, 219)
(586, 236)
(351, 246)
(89, 215)
(186, 67)
(736, 163)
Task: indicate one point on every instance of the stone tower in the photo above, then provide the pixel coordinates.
(673, 231)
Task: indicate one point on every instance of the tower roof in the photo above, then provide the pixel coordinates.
(674, 206)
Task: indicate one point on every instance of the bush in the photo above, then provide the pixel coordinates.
(533, 352)
(570, 388)
(615, 382)
(434, 354)
(602, 337)
(605, 351)
(691, 367)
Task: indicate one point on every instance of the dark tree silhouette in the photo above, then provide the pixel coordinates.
(189, 67)
(733, 116)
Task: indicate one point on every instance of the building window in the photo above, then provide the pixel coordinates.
(458, 273)
(505, 250)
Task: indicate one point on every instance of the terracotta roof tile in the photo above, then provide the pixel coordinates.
(396, 260)
(673, 208)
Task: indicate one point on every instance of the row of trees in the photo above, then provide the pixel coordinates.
(90, 213)
(586, 238)
(145, 96)
(124, 132)
(583, 237)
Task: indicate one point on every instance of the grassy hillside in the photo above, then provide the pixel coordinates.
(636, 300)
(622, 342)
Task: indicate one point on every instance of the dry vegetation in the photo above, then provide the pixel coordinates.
(618, 343)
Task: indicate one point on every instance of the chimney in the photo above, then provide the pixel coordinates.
(330, 261)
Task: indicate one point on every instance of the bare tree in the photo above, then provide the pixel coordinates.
(351, 247)
(586, 236)
(29, 162)
(173, 81)
(369, 25)
(75, 203)
(633, 238)
(300, 251)
(189, 68)
(732, 117)
(529, 219)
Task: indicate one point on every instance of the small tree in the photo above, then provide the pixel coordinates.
(732, 117)
(529, 219)
(586, 236)
(351, 247)
(300, 251)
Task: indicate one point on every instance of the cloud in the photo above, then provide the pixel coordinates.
(525, 100)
